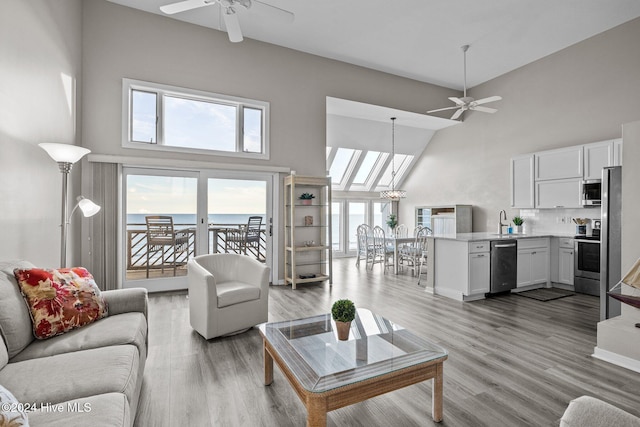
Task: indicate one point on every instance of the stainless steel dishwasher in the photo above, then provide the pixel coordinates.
(504, 262)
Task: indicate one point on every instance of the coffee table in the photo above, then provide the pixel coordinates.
(380, 356)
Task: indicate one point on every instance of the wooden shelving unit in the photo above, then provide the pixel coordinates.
(307, 255)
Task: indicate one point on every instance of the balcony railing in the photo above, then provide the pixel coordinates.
(218, 242)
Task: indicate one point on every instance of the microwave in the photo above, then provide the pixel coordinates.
(591, 192)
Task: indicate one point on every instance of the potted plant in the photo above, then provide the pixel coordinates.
(518, 221)
(343, 312)
(306, 198)
(392, 222)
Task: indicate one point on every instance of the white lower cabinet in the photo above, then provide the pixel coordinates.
(479, 273)
(565, 266)
(532, 262)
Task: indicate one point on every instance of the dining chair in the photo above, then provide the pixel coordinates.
(163, 239)
(381, 251)
(416, 253)
(402, 231)
(364, 242)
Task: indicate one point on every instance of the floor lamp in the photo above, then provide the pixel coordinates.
(66, 155)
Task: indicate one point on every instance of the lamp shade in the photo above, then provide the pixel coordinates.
(64, 153)
(87, 207)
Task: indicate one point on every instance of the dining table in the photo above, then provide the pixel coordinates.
(396, 243)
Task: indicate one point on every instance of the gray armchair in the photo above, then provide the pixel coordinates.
(228, 293)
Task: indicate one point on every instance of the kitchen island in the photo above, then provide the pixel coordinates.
(459, 265)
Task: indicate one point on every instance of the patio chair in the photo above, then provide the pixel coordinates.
(245, 237)
(163, 239)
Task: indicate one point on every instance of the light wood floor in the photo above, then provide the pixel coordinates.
(513, 361)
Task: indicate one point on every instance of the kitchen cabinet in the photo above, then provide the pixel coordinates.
(597, 156)
(562, 260)
(617, 152)
(559, 193)
(449, 219)
(532, 262)
(479, 268)
(562, 163)
(307, 224)
(522, 183)
(461, 269)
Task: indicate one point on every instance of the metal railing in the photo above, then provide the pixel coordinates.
(218, 242)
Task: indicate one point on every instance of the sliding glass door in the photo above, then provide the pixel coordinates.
(171, 216)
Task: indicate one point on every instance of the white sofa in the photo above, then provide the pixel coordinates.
(587, 411)
(228, 293)
(90, 376)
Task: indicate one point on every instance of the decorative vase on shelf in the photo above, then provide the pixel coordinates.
(518, 229)
(343, 329)
(305, 201)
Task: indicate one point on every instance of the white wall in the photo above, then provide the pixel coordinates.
(581, 94)
(40, 50)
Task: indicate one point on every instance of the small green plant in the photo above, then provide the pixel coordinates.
(307, 196)
(392, 222)
(517, 221)
(343, 310)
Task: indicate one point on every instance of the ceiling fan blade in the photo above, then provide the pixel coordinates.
(456, 100)
(442, 109)
(457, 114)
(232, 24)
(272, 12)
(484, 109)
(486, 100)
(183, 6)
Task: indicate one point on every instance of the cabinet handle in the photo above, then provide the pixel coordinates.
(559, 206)
(480, 256)
(533, 253)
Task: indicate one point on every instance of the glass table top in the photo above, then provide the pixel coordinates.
(376, 346)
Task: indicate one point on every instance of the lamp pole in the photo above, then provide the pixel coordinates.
(65, 168)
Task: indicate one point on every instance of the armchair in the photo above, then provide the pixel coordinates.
(228, 293)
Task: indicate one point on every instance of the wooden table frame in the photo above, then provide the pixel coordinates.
(318, 404)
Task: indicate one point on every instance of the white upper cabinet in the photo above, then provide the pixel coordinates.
(597, 156)
(559, 164)
(558, 193)
(617, 152)
(522, 184)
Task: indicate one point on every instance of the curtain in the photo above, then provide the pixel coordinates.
(102, 234)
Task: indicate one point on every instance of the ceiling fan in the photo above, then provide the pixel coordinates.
(467, 103)
(229, 12)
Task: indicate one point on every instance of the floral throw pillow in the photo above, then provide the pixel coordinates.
(61, 299)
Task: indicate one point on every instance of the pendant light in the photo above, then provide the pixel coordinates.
(393, 194)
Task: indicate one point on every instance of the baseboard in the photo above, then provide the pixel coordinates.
(456, 295)
(616, 359)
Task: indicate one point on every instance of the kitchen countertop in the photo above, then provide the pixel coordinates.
(480, 236)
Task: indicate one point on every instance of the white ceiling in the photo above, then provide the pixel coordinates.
(421, 39)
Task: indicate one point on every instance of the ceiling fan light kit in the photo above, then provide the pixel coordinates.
(229, 12)
(466, 102)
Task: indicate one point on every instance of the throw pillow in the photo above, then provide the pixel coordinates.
(12, 412)
(61, 299)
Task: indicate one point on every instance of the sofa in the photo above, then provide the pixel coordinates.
(89, 376)
(587, 411)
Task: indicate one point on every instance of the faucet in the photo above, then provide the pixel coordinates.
(500, 218)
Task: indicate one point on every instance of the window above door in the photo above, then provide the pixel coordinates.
(169, 118)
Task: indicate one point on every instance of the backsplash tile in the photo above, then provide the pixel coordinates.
(557, 221)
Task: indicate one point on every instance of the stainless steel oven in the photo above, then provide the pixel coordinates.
(586, 262)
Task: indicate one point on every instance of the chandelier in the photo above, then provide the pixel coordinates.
(393, 194)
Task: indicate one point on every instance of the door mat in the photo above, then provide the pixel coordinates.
(546, 294)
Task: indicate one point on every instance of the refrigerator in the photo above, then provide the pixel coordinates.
(611, 239)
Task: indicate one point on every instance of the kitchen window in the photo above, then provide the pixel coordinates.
(168, 118)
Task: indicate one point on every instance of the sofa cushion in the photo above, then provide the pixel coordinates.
(233, 292)
(587, 411)
(60, 299)
(15, 321)
(126, 328)
(12, 412)
(4, 356)
(74, 375)
(103, 410)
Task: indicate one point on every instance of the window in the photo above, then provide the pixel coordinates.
(340, 164)
(169, 118)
